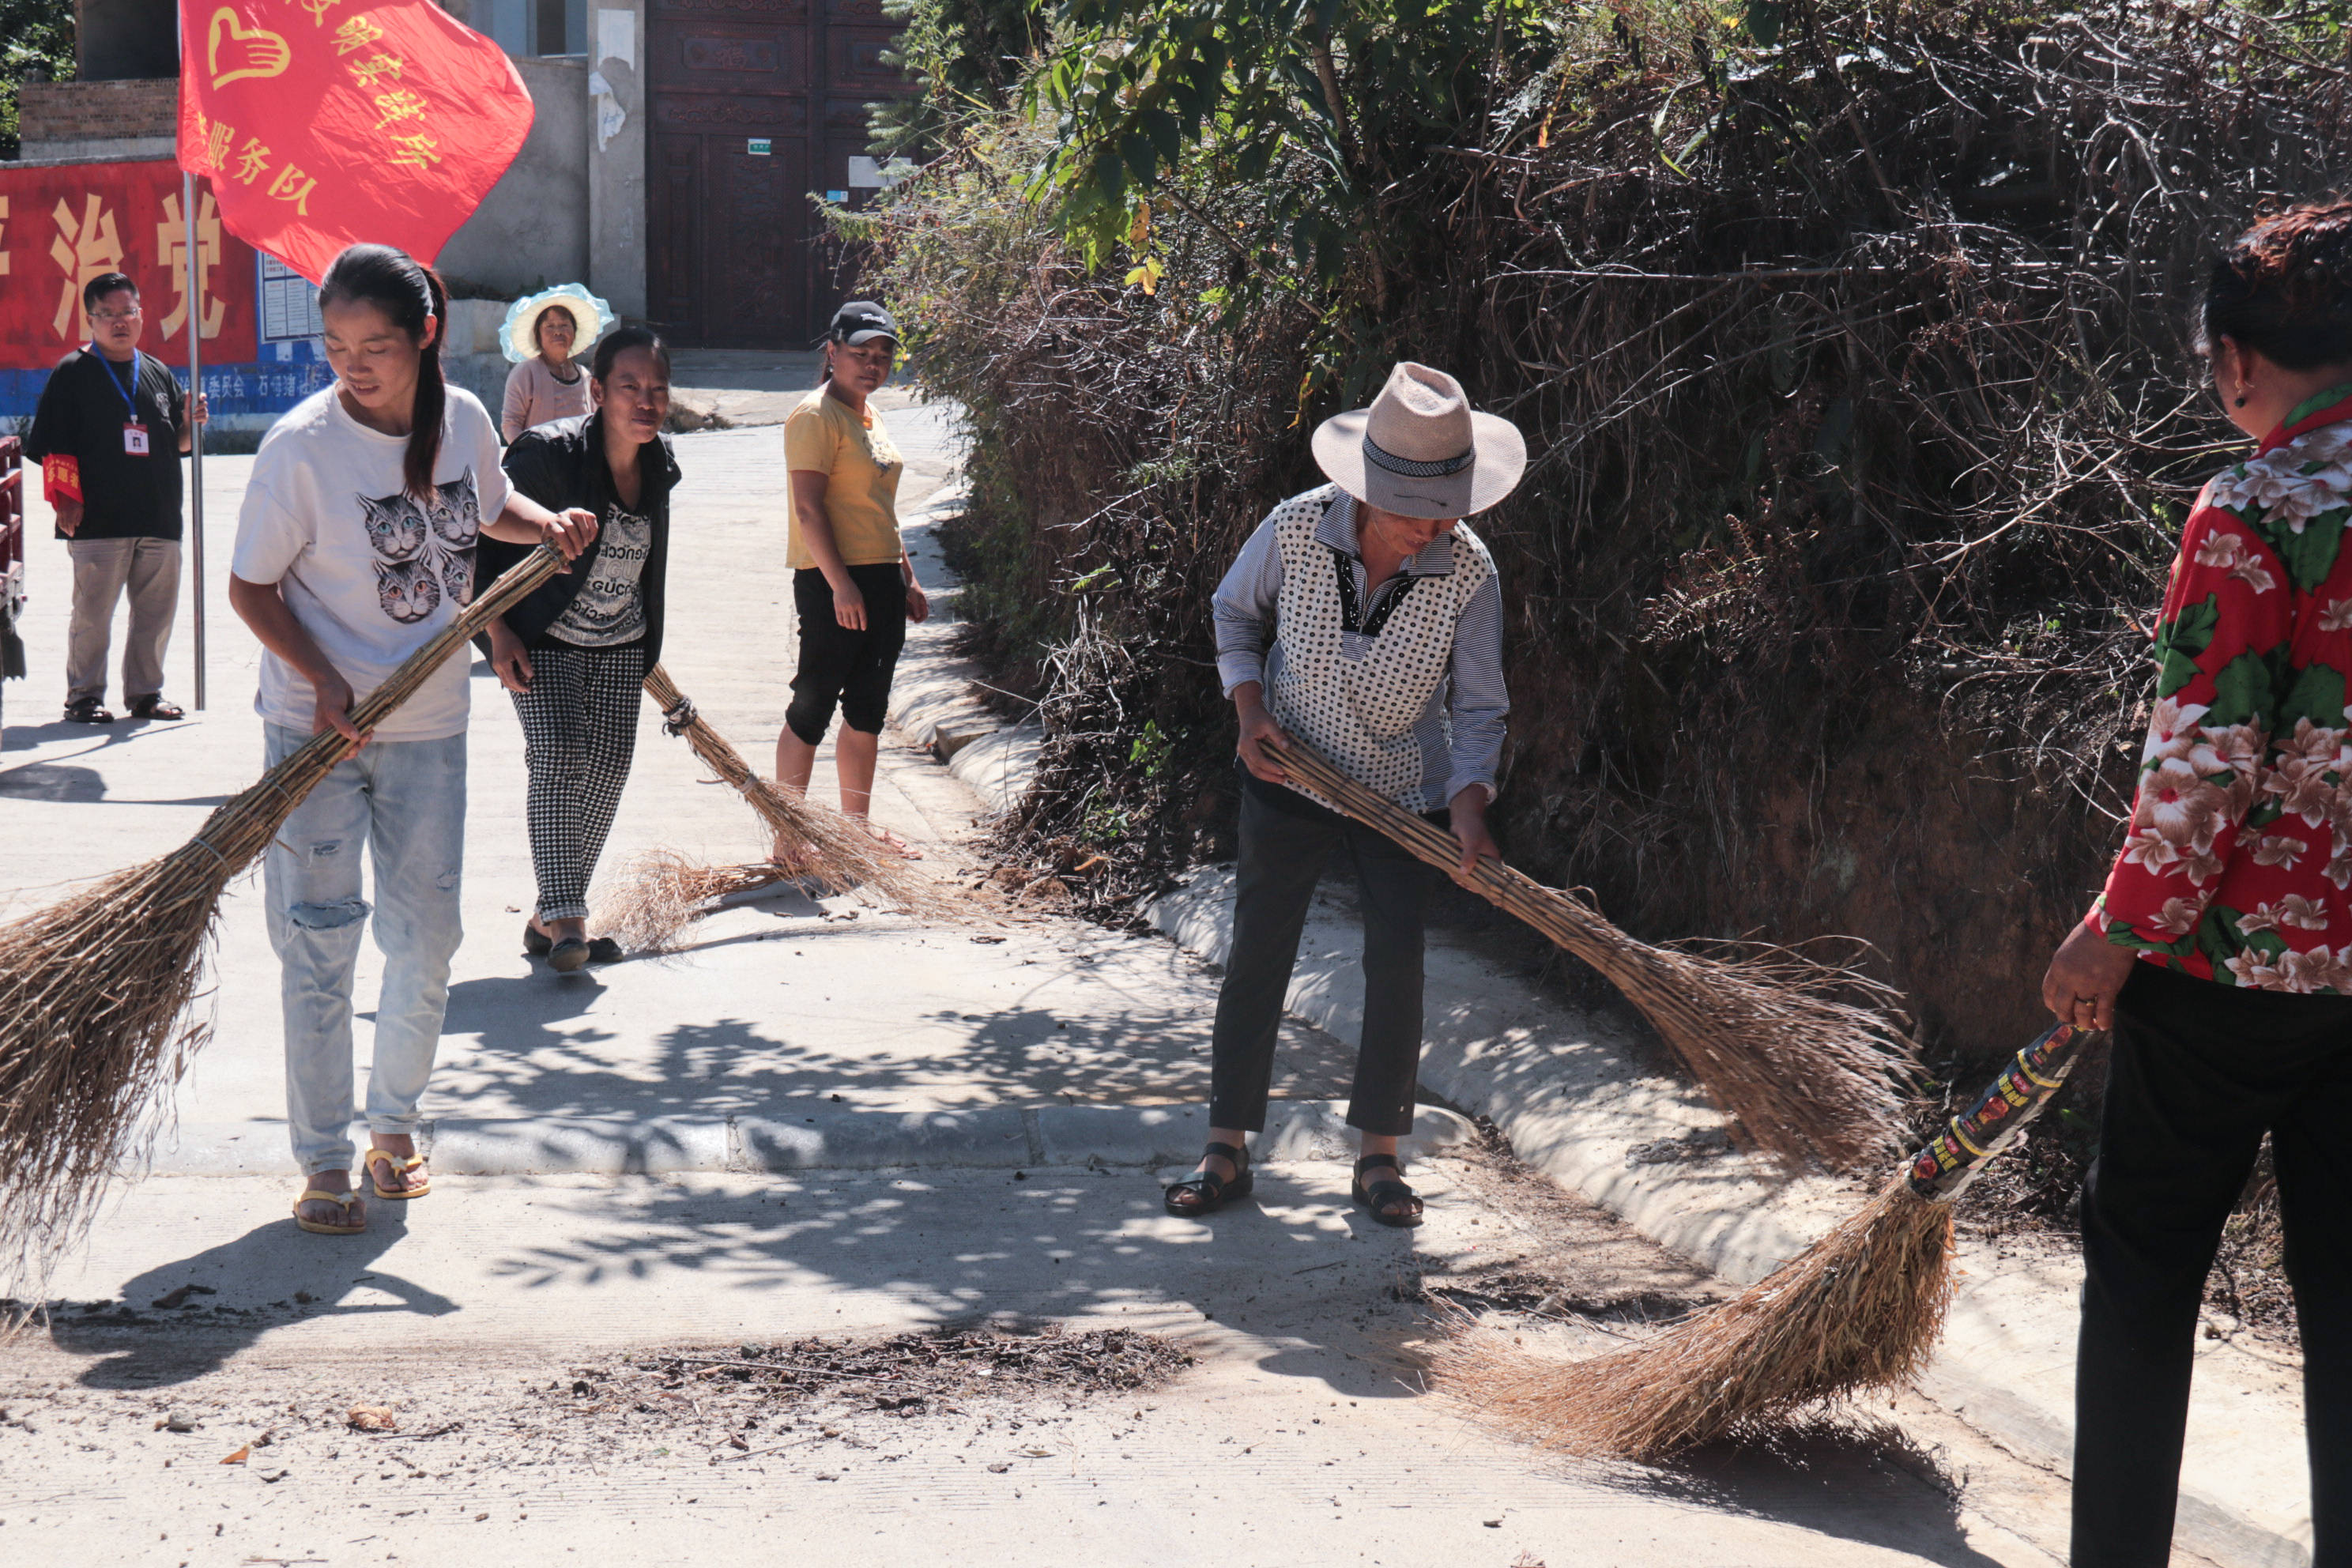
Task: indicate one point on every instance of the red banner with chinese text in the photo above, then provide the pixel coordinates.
(60, 228)
(326, 122)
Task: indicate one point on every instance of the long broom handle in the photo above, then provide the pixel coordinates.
(1942, 1167)
(237, 831)
(512, 585)
(1574, 925)
(680, 717)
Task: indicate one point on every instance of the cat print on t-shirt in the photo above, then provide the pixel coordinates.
(423, 553)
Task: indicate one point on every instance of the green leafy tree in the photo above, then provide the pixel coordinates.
(969, 56)
(39, 46)
(1301, 130)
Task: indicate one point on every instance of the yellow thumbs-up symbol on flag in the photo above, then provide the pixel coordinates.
(235, 52)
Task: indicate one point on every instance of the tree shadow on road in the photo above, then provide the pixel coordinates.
(226, 1298)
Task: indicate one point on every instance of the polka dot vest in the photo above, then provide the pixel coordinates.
(1353, 688)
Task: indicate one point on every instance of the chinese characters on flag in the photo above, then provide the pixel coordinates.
(321, 123)
(62, 226)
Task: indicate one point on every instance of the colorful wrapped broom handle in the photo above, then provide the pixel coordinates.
(1948, 1162)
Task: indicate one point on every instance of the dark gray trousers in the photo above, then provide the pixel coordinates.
(1282, 857)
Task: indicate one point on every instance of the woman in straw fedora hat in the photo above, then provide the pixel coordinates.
(1361, 618)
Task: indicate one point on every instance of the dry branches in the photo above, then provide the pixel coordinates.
(95, 991)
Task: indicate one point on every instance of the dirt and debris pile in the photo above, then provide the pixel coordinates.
(906, 1373)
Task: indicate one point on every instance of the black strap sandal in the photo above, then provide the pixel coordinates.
(88, 711)
(1392, 1202)
(156, 707)
(1213, 1192)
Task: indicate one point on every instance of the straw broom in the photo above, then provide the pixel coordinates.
(663, 891)
(95, 992)
(1860, 1308)
(828, 848)
(1747, 1025)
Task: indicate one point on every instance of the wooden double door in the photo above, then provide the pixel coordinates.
(754, 104)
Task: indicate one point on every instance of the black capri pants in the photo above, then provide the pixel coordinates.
(840, 668)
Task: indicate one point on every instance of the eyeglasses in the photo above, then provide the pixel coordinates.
(129, 315)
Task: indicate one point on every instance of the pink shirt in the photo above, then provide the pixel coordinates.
(535, 397)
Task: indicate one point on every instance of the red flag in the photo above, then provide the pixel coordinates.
(324, 123)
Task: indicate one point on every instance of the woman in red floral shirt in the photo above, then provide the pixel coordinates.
(2221, 953)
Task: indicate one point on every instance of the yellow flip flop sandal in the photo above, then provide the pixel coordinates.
(408, 1167)
(342, 1200)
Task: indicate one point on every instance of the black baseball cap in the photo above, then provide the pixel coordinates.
(861, 322)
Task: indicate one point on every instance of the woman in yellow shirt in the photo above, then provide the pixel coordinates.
(853, 585)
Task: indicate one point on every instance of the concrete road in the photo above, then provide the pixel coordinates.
(1301, 1434)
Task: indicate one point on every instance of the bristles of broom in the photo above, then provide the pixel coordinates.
(662, 893)
(1751, 1025)
(828, 847)
(1860, 1308)
(95, 990)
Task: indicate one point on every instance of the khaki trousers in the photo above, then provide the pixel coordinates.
(103, 569)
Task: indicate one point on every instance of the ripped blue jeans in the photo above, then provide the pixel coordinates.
(403, 800)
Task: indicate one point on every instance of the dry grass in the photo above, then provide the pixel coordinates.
(1804, 1074)
(96, 991)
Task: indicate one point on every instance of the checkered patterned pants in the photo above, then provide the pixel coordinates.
(579, 732)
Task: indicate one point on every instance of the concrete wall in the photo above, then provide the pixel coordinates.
(126, 38)
(616, 156)
(533, 228)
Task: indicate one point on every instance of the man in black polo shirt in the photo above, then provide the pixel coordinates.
(109, 431)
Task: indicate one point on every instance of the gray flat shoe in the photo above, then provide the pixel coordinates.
(567, 955)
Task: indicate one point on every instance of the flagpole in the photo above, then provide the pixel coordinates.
(196, 440)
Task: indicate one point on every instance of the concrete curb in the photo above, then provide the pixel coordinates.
(823, 1138)
(931, 701)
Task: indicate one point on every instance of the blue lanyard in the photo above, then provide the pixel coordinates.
(129, 403)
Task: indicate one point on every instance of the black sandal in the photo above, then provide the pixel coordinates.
(156, 707)
(1386, 1199)
(1214, 1193)
(88, 711)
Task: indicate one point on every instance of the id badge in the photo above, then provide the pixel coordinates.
(134, 440)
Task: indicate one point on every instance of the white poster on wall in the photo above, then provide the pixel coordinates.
(616, 38)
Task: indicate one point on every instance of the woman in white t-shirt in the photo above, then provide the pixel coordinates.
(355, 547)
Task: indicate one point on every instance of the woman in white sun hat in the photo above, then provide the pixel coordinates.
(541, 335)
(1364, 619)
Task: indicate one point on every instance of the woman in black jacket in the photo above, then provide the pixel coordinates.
(575, 653)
